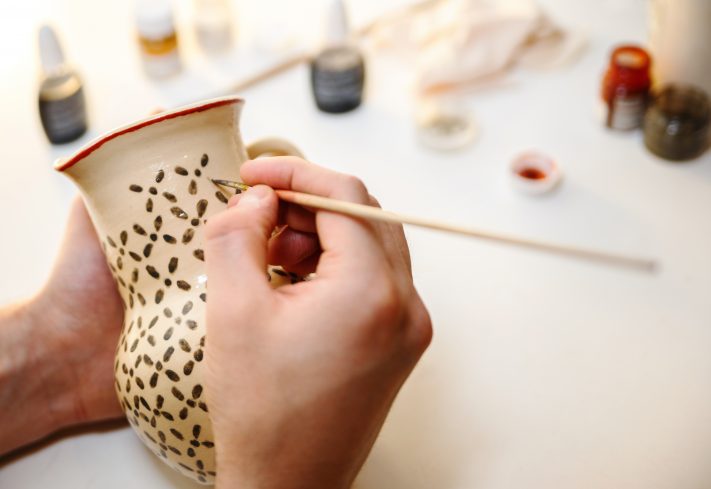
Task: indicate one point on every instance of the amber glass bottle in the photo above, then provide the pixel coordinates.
(625, 87)
(157, 38)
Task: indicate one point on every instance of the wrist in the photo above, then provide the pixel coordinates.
(52, 361)
(242, 467)
(32, 391)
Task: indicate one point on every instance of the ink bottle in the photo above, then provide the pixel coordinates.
(338, 71)
(625, 87)
(213, 25)
(62, 106)
(157, 38)
(677, 125)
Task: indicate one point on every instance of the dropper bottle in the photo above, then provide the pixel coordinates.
(61, 97)
(338, 71)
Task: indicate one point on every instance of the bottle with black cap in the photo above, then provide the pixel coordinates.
(338, 71)
(61, 96)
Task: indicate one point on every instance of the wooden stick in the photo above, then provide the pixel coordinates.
(377, 214)
(297, 59)
(270, 72)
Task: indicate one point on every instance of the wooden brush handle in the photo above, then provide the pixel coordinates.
(377, 214)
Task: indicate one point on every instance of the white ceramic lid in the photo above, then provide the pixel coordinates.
(154, 18)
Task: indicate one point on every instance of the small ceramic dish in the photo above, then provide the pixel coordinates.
(444, 124)
(534, 173)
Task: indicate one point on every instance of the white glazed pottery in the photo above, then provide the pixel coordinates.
(147, 187)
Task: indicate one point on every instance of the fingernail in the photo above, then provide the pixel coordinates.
(255, 195)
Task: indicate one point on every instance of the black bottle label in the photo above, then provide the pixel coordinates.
(337, 79)
(64, 119)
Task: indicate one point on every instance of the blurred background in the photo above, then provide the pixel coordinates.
(566, 120)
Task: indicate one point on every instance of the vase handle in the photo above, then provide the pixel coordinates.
(272, 147)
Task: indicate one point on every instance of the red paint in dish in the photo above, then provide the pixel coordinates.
(532, 173)
(83, 153)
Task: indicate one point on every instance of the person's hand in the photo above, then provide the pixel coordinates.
(300, 379)
(57, 349)
(84, 311)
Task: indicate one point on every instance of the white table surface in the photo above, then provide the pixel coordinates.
(544, 372)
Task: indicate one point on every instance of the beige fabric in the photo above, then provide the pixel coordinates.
(461, 44)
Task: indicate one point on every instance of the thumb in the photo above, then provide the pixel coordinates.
(236, 248)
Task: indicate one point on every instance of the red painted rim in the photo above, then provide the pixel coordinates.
(62, 165)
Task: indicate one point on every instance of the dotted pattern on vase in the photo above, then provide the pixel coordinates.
(162, 343)
(161, 348)
(159, 355)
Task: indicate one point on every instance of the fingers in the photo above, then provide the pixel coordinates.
(294, 216)
(236, 248)
(346, 242)
(294, 245)
(297, 218)
(296, 174)
(295, 251)
(80, 225)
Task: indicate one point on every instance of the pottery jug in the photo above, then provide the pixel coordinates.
(148, 190)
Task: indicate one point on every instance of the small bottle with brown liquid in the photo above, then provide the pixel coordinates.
(157, 38)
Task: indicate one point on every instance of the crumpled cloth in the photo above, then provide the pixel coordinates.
(462, 44)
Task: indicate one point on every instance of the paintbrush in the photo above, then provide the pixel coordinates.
(377, 214)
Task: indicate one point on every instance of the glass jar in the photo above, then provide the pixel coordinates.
(676, 125)
(157, 38)
(625, 87)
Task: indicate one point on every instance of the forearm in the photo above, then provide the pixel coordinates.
(34, 399)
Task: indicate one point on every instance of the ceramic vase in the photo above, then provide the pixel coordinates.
(148, 190)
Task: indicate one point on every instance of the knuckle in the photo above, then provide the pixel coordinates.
(373, 202)
(386, 300)
(218, 226)
(291, 163)
(420, 331)
(355, 187)
(297, 160)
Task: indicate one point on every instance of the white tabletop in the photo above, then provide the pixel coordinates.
(544, 372)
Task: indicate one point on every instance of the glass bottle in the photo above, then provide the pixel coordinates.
(625, 87)
(157, 38)
(61, 95)
(213, 25)
(338, 71)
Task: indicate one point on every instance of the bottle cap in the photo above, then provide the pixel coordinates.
(51, 54)
(338, 29)
(630, 58)
(154, 19)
